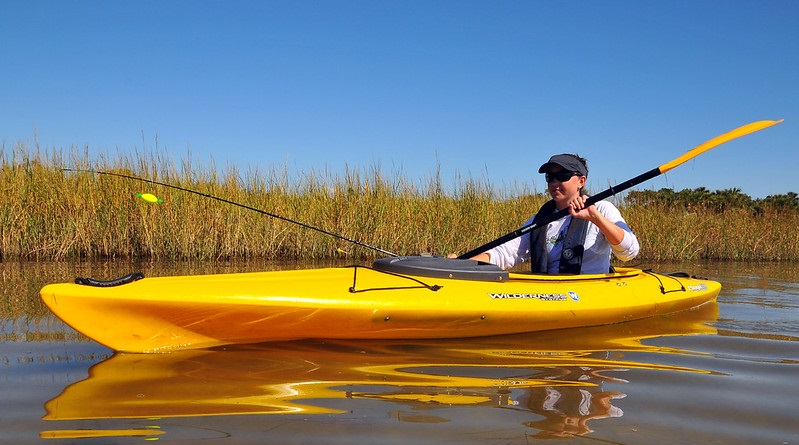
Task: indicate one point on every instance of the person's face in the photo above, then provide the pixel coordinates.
(563, 185)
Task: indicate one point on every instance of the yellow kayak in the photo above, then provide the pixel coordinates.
(395, 298)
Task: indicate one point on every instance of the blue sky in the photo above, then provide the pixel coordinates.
(480, 89)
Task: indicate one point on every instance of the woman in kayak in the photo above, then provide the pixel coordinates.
(579, 243)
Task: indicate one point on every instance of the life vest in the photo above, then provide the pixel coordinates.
(571, 256)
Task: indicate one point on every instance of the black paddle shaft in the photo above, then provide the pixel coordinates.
(561, 213)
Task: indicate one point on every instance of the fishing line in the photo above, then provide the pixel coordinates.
(227, 201)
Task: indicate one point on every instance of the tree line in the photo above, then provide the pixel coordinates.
(719, 201)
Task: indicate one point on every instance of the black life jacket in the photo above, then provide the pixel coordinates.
(571, 257)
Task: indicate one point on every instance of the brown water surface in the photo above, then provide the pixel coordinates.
(724, 373)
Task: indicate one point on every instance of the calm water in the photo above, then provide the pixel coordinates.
(723, 374)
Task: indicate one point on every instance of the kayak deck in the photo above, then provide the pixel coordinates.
(188, 312)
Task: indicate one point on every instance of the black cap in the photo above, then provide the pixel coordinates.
(568, 162)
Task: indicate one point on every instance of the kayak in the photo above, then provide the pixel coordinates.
(411, 297)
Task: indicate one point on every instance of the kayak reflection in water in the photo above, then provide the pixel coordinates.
(565, 409)
(581, 242)
(574, 397)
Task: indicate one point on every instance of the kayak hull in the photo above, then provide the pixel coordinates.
(190, 312)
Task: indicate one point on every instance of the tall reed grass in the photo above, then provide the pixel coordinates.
(667, 233)
(47, 213)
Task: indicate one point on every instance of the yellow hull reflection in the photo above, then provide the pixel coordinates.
(88, 433)
(314, 377)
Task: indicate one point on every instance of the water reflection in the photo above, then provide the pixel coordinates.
(565, 411)
(558, 377)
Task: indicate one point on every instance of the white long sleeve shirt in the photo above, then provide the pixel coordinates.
(596, 257)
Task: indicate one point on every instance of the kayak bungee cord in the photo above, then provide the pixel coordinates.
(151, 198)
(422, 285)
(696, 151)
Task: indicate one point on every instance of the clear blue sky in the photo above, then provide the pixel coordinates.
(483, 89)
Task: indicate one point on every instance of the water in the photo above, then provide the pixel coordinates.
(722, 374)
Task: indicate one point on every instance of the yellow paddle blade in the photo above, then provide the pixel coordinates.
(149, 197)
(718, 140)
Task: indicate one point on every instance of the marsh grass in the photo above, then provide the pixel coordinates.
(50, 214)
(667, 233)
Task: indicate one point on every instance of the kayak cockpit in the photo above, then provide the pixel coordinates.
(440, 267)
(466, 269)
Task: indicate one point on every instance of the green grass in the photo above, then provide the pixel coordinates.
(49, 214)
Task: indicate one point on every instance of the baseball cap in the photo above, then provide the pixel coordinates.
(566, 161)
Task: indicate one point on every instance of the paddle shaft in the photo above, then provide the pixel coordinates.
(696, 151)
(562, 213)
(227, 201)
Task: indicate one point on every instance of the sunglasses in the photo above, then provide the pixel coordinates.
(561, 176)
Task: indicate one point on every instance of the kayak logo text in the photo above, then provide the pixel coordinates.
(542, 297)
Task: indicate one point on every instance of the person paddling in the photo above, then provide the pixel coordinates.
(579, 243)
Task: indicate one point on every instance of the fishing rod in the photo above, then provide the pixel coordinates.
(150, 198)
